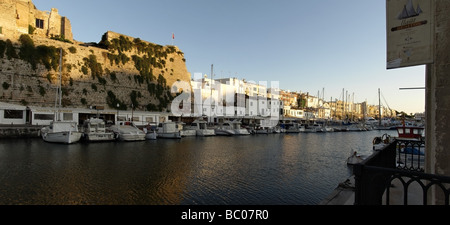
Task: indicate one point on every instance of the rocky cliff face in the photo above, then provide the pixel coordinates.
(120, 70)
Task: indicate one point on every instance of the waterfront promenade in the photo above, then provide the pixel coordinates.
(344, 194)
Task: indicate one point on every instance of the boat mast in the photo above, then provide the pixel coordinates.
(58, 94)
(379, 108)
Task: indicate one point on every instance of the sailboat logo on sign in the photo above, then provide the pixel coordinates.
(409, 11)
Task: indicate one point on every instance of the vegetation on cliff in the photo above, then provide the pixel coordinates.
(128, 74)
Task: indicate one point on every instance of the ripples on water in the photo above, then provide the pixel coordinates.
(278, 169)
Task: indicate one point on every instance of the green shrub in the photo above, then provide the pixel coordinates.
(42, 91)
(6, 85)
(2, 48)
(72, 50)
(10, 50)
(31, 29)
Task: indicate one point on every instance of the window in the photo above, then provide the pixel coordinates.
(43, 116)
(13, 114)
(39, 23)
(67, 116)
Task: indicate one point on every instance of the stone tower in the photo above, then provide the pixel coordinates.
(22, 17)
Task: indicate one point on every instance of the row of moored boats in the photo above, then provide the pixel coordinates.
(96, 130)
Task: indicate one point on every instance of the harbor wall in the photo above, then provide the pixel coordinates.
(17, 131)
(438, 100)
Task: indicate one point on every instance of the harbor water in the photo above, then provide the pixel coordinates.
(274, 169)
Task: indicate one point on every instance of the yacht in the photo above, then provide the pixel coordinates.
(94, 130)
(238, 130)
(201, 128)
(169, 130)
(185, 132)
(225, 129)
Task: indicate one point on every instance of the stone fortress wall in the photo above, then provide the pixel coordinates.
(92, 74)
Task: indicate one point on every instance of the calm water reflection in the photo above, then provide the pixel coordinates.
(299, 169)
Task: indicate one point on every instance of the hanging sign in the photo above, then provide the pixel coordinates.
(410, 27)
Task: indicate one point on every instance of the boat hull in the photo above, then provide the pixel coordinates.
(132, 137)
(205, 133)
(99, 137)
(187, 133)
(65, 137)
(224, 132)
(175, 135)
(241, 132)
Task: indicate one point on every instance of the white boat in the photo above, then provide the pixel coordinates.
(328, 129)
(61, 132)
(317, 127)
(201, 128)
(150, 132)
(151, 135)
(238, 130)
(290, 127)
(169, 130)
(261, 130)
(94, 130)
(225, 129)
(185, 132)
(309, 129)
(128, 132)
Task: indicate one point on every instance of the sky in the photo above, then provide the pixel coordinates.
(319, 46)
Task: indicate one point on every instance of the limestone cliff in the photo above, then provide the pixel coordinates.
(119, 70)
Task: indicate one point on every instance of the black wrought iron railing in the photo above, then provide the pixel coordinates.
(395, 175)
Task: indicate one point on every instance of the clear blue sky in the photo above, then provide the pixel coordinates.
(306, 45)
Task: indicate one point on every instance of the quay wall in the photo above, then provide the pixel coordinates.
(8, 132)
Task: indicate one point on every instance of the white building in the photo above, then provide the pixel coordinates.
(12, 114)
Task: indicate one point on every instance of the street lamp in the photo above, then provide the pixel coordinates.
(117, 120)
(132, 110)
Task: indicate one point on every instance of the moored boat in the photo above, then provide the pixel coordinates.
(238, 130)
(168, 130)
(185, 132)
(61, 132)
(224, 129)
(128, 132)
(201, 128)
(94, 130)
